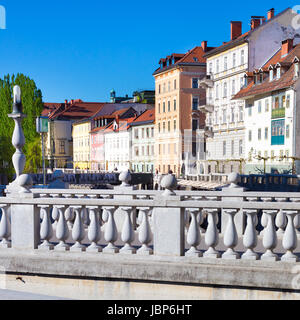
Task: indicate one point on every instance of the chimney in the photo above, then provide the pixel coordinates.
(236, 29)
(286, 47)
(270, 14)
(72, 102)
(204, 45)
(255, 23)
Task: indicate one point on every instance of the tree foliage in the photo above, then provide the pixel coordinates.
(32, 106)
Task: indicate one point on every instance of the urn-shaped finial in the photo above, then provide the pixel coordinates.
(125, 178)
(169, 182)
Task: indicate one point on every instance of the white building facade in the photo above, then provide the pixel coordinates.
(225, 129)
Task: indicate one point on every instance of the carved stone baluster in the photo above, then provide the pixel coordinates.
(69, 214)
(127, 235)
(62, 231)
(280, 220)
(55, 210)
(255, 216)
(5, 228)
(144, 232)
(289, 241)
(211, 234)
(46, 231)
(78, 230)
(264, 219)
(297, 217)
(250, 235)
(194, 235)
(270, 237)
(111, 232)
(94, 230)
(84, 211)
(230, 236)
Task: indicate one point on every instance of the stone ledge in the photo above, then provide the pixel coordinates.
(176, 270)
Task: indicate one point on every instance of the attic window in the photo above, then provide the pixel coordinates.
(296, 69)
(195, 59)
(271, 75)
(261, 77)
(278, 73)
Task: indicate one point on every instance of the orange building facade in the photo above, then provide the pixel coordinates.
(178, 96)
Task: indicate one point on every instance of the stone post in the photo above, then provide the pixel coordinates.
(235, 193)
(25, 219)
(168, 223)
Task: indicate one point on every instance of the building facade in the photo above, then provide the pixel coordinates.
(176, 106)
(226, 65)
(272, 113)
(143, 142)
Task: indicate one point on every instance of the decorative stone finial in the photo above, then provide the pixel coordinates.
(25, 182)
(233, 179)
(125, 178)
(169, 182)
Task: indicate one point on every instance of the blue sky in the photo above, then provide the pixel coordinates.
(76, 49)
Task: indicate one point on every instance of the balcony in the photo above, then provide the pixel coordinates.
(278, 113)
(206, 82)
(206, 106)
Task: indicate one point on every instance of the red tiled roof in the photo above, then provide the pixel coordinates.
(148, 115)
(123, 125)
(286, 79)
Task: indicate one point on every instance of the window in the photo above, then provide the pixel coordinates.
(259, 106)
(233, 87)
(278, 73)
(136, 132)
(175, 84)
(287, 131)
(174, 104)
(232, 114)
(241, 147)
(169, 106)
(159, 108)
(152, 132)
(159, 89)
(210, 68)
(195, 83)
(266, 133)
(224, 148)
(259, 134)
(194, 124)
(225, 89)
(62, 149)
(267, 105)
(169, 126)
(241, 113)
(233, 59)
(232, 147)
(271, 75)
(243, 81)
(224, 116)
(216, 117)
(250, 135)
(169, 86)
(164, 107)
(195, 104)
(175, 125)
(296, 70)
(242, 57)
(217, 66)
(225, 63)
(249, 110)
(164, 127)
(277, 132)
(158, 127)
(143, 133)
(288, 100)
(217, 91)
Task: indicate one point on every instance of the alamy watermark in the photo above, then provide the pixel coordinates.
(296, 19)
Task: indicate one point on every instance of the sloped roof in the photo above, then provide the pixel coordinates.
(146, 117)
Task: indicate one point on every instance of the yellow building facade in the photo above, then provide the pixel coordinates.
(82, 145)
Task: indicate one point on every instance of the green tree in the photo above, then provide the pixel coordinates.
(32, 106)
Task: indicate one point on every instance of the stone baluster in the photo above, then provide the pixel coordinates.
(111, 232)
(46, 231)
(254, 217)
(55, 210)
(69, 213)
(297, 217)
(62, 230)
(270, 237)
(264, 219)
(78, 230)
(230, 236)
(280, 220)
(5, 229)
(94, 229)
(250, 235)
(194, 235)
(84, 212)
(289, 241)
(211, 235)
(127, 234)
(144, 232)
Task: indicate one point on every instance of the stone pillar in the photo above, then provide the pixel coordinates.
(235, 193)
(168, 223)
(125, 178)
